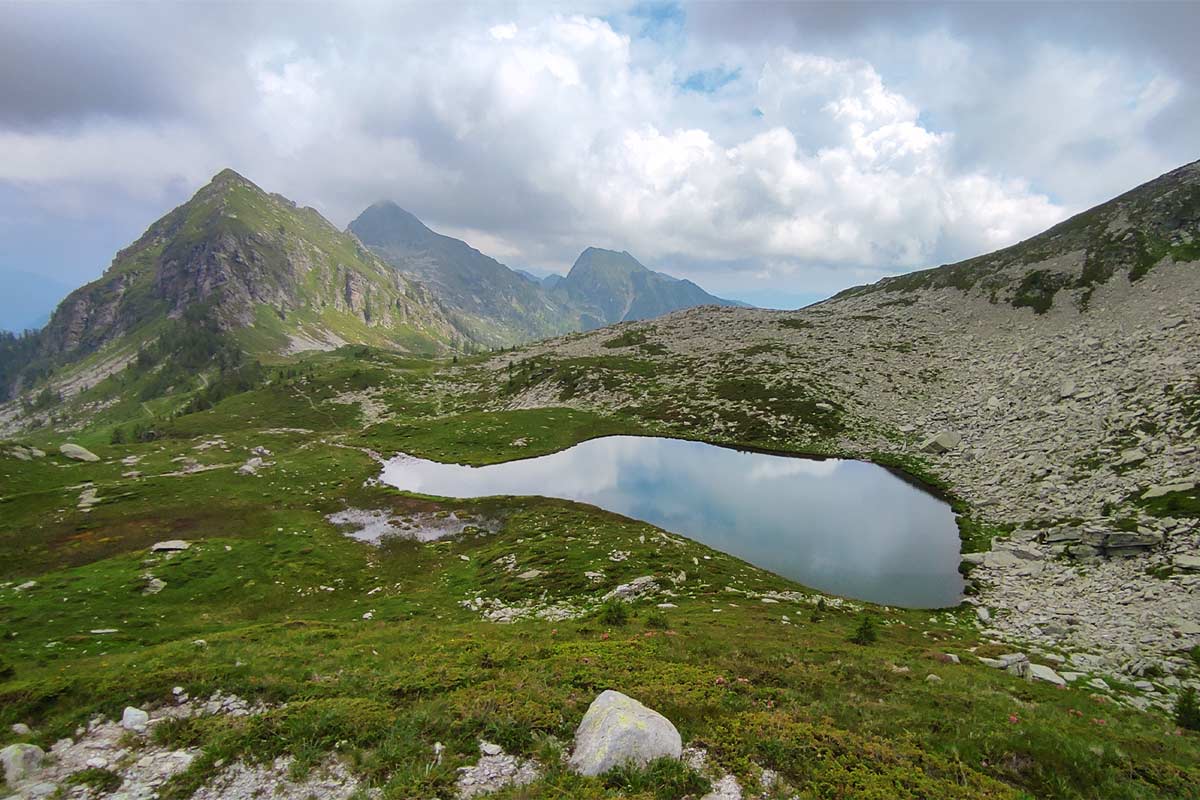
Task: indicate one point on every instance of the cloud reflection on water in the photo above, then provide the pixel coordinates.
(845, 527)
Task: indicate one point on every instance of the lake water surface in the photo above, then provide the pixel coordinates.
(844, 527)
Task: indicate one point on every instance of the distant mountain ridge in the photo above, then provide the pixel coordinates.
(494, 304)
(252, 274)
(499, 305)
(623, 290)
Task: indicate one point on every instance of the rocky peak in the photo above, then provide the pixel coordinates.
(386, 224)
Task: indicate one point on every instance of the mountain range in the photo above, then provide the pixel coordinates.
(270, 278)
(496, 305)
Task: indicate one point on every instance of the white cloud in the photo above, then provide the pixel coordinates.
(540, 134)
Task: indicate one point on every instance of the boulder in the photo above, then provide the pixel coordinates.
(619, 730)
(1168, 488)
(134, 719)
(20, 762)
(634, 590)
(999, 559)
(1187, 563)
(1133, 455)
(1062, 535)
(1040, 672)
(1140, 538)
(170, 546)
(941, 442)
(76, 452)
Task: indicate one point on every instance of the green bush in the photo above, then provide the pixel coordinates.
(666, 778)
(657, 620)
(1187, 710)
(100, 781)
(614, 612)
(865, 633)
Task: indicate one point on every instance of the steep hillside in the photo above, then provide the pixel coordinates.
(615, 287)
(496, 304)
(1125, 237)
(272, 277)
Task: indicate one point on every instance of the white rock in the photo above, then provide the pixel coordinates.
(169, 546)
(1041, 672)
(20, 762)
(77, 453)
(725, 789)
(619, 730)
(134, 719)
(21, 729)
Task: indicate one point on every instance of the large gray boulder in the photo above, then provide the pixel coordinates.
(1187, 563)
(76, 452)
(619, 730)
(20, 762)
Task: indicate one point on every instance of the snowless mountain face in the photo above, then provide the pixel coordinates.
(499, 305)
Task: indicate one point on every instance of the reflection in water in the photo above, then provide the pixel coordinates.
(845, 527)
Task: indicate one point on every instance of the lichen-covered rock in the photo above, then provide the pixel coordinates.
(619, 730)
(20, 762)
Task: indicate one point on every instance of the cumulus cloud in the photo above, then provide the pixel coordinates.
(810, 165)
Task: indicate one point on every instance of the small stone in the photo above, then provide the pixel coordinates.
(170, 546)
(931, 678)
(134, 719)
(21, 729)
(725, 789)
(490, 749)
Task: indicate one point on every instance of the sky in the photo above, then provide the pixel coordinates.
(772, 152)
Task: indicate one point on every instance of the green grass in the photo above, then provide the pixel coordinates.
(279, 596)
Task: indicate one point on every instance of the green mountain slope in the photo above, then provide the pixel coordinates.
(249, 266)
(1125, 236)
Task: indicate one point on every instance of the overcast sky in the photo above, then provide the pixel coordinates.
(774, 153)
